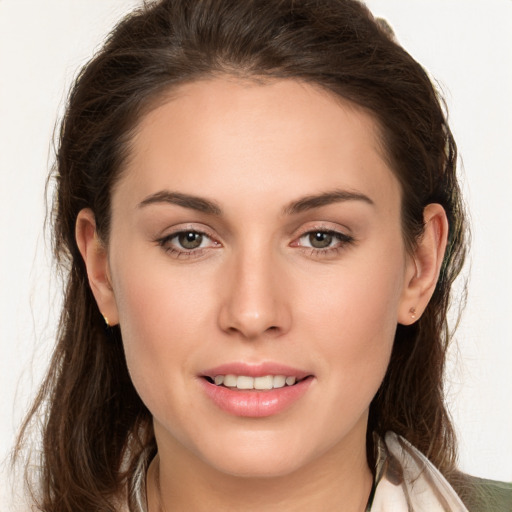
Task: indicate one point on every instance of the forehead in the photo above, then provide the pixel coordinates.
(229, 137)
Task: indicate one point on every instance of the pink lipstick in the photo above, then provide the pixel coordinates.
(255, 390)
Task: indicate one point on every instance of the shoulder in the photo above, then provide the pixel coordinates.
(482, 495)
(403, 466)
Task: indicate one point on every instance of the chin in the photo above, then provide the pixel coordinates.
(261, 467)
(257, 456)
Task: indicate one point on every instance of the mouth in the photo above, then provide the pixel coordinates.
(255, 389)
(261, 383)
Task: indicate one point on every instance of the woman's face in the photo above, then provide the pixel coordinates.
(256, 233)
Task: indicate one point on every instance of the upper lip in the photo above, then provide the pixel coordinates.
(255, 370)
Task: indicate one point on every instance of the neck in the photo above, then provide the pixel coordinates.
(336, 481)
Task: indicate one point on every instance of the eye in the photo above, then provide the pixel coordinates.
(189, 239)
(324, 239)
(319, 239)
(321, 242)
(188, 242)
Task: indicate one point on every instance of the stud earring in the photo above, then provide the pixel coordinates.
(107, 324)
(412, 311)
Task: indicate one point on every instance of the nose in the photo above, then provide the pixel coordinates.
(254, 300)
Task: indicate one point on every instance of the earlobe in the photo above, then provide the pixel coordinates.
(95, 258)
(424, 265)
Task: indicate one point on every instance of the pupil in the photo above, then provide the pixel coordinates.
(190, 240)
(320, 240)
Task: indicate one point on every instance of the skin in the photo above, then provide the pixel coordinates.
(256, 290)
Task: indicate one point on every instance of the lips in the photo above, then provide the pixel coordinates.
(257, 390)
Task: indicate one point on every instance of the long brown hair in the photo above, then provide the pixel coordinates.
(94, 424)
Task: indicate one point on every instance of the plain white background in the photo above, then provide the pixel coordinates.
(465, 44)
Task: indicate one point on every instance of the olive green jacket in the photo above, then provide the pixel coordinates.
(406, 481)
(480, 495)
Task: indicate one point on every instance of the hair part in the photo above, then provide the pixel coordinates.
(95, 426)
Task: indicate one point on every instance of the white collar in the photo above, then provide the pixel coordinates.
(406, 481)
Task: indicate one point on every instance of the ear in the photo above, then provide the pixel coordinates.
(95, 257)
(424, 265)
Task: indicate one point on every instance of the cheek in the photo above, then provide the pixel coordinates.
(154, 297)
(159, 321)
(351, 317)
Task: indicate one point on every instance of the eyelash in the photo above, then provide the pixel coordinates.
(344, 241)
(165, 241)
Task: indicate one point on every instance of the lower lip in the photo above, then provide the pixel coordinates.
(255, 403)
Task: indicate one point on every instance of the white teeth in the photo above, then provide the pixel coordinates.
(279, 381)
(243, 382)
(265, 382)
(230, 381)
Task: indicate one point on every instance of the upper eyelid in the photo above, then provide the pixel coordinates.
(323, 230)
(165, 240)
(324, 227)
(187, 228)
(343, 237)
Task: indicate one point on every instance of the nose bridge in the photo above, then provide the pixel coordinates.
(252, 301)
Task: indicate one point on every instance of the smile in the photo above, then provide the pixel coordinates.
(245, 382)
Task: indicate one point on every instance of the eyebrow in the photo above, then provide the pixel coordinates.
(211, 208)
(325, 199)
(185, 200)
